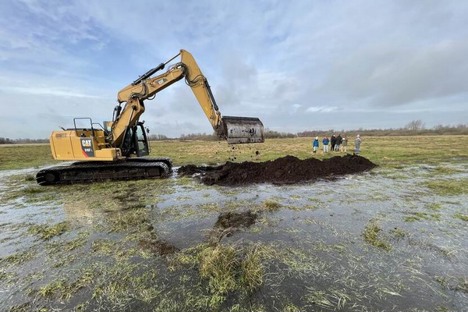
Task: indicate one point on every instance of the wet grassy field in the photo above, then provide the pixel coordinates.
(390, 239)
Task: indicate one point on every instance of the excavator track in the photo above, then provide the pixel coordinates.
(85, 172)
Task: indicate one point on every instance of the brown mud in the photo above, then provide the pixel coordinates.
(285, 170)
(236, 219)
(230, 222)
(158, 247)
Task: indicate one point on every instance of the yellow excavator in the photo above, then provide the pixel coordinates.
(117, 150)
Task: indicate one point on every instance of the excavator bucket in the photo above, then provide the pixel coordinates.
(243, 130)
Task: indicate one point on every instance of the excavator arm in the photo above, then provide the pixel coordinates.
(233, 129)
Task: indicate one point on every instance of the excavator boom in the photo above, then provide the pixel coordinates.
(233, 129)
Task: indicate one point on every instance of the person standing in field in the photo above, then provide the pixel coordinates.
(315, 145)
(325, 143)
(333, 142)
(357, 145)
(344, 144)
(339, 140)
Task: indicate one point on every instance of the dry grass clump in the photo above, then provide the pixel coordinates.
(252, 269)
(219, 265)
(230, 268)
(371, 236)
(271, 205)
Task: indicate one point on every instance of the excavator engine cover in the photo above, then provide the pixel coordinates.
(243, 130)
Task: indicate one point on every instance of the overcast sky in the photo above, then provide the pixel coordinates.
(297, 65)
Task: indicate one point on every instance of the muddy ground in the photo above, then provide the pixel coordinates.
(387, 239)
(284, 170)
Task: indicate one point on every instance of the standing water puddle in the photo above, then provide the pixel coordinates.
(380, 240)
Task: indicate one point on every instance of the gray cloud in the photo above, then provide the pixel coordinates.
(389, 76)
(296, 65)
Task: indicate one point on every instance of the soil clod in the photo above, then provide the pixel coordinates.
(285, 170)
(230, 222)
(236, 219)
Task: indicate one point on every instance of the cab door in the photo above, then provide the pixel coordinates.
(141, 141)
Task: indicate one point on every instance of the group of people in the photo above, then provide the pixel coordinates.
(336, 143)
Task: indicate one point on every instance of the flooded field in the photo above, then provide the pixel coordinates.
(390, 239)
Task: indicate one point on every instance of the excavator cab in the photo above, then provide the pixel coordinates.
(135, 142)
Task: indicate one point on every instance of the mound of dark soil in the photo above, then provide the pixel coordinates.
(285, 170)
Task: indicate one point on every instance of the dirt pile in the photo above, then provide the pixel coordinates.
(285, 170)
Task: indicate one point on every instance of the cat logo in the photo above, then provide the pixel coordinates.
(87, 147)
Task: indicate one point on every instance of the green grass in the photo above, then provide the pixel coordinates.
(445, 170)
(47, 232)
(461, 216)
(25, 156)
(59, 288)
(448, 187)
(17, 258)
(56, 247)
(391, 151)
(396, 151)
(434, 206)
(31, 190)
(418, 216)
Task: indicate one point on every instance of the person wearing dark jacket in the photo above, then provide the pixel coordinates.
(339, 140)
(333, 142)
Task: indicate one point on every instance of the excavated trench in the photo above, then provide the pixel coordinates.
(285, 170)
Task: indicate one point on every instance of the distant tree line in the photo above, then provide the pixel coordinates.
(6, 141)
(270, 134)
(156, 137)
(199, 136)
(415, 127)
(22, 141)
